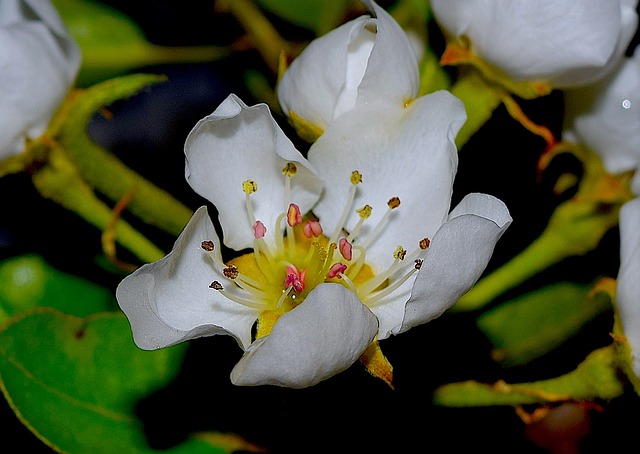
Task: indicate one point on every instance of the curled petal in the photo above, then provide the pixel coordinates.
(237, 143)
(170, 301)
(366, 59)
(457, 256)
(565, 43)
(628, 284)
(316, 340)
(38, 64)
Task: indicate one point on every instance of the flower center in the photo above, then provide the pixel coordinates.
(279, 274)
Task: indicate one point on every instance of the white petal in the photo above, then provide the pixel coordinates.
(628, 282)
(312, 84)
(456, 258)
(38, 64)
(606, 117)
(362, 61)
(408, 153)
(316, 340)
(392, 72)
(238, 143)
(170, 301)
(390, 309)
(566, 43)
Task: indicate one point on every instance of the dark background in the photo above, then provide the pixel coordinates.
(351, 412)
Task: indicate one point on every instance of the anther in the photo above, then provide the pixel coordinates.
(346, 249)
(216, 285)
(312, 229)
(249, 187)
(399, 253)
(259, 230)
(230, 272)
(394, 202)
(424, 243)
(336, 270)
(365, 211)
(295, 278)
(356, 177)
(290, 169)
(207, 245)
(294, 216)
(418, 264)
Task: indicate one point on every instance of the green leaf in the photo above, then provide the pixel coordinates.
(597, 377)
(531, 325)
(74, 382)
(28, 281)
(319, 16)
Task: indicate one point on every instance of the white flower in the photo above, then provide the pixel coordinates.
(563, 43)
(363, 61)
(628, 282)
(606, 118)
(383, 255)
(38, 64)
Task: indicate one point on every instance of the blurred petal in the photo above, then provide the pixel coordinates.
(628, 283)
(606, 118)
(565, 43)
(38, 64)
(170, 301)
(238, 143)
(316, 340)
(408, 153)
(457, 257)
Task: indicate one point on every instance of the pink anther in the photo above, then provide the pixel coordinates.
(295, 278)
(259, 230)
(294, 217)
(346, 249)
(336, 270)
(312, 229)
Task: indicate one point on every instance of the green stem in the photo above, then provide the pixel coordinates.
(480, 100)
(108, 174)
(597, 377)
(547, 249)
(137, 55)
(575, 228)
(263, 34)
(59, 181)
